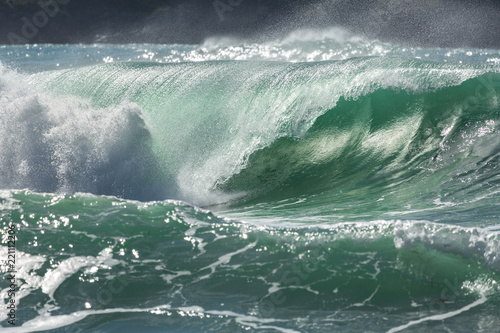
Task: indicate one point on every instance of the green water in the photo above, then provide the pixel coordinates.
(191, 190)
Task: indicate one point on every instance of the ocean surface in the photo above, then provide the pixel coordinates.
(317, 183)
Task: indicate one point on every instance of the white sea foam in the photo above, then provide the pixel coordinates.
(481, 287)
(52, 143)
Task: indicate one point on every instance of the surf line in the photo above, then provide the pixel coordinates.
(440, 316)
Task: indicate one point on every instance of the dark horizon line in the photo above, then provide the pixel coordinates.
(427, 23)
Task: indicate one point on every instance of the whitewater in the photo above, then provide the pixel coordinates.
(321, 182)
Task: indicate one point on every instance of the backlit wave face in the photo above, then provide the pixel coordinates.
(219, 131)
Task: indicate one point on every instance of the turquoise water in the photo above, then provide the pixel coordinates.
(309, 184)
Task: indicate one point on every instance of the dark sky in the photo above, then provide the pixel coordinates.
(446, 23)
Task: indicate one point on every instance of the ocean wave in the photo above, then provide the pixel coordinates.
(387, 143)
(213, 132)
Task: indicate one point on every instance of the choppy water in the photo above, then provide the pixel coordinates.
(320, 183)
